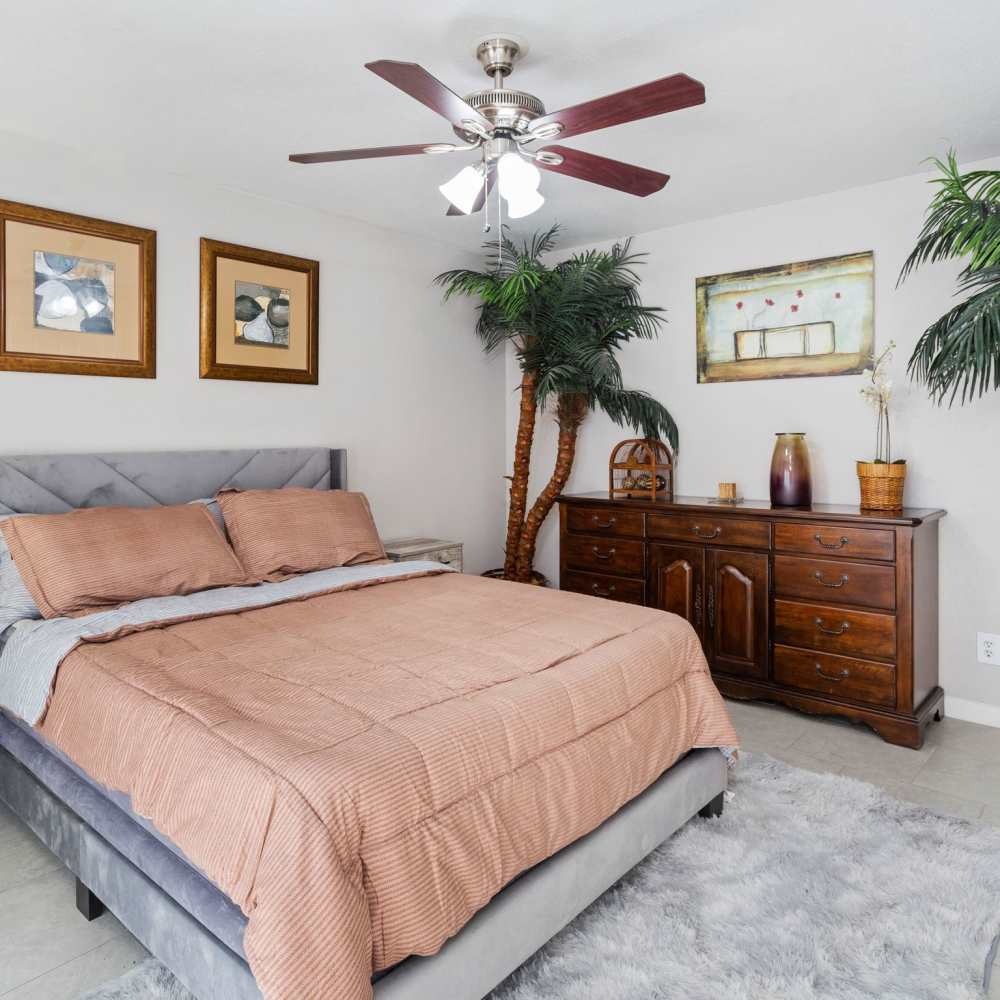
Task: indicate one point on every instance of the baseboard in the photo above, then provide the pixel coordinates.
(972, 711)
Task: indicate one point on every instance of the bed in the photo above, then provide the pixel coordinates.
(123, 860)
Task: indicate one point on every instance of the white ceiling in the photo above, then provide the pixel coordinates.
(803, 96)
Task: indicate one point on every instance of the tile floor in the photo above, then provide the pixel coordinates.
(49, 952)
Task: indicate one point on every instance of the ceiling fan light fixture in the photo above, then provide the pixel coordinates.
(517, 176)
(524, 204)
(463, 189)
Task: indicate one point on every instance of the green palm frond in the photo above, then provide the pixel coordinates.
(959, 355)
(963, 218)
(636, 409)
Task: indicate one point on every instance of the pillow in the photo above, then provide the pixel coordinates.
(212, 506)
(16, 603)
(104, 556)
(277, 533)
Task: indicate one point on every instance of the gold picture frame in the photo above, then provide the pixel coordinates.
(809, 318)
(259, 315)
(77, 295)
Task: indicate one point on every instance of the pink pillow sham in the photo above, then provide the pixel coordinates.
(278, 533)
(105, 556)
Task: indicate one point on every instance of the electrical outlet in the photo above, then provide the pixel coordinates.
(988, 646)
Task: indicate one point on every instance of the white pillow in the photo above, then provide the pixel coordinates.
(16, 603)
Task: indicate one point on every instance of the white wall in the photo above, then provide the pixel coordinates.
(727, 429)
(403, 383)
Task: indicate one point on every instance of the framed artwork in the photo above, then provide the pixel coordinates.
(814, 317)
(259, 315)
(77, 295)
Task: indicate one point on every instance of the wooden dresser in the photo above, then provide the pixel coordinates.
(826, 609)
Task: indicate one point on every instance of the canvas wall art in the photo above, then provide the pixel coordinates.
(813, 317)
(259, 315)
(77, 295)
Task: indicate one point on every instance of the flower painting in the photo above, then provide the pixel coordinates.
(809, 318)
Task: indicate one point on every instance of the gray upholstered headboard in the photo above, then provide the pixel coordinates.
(51, 484)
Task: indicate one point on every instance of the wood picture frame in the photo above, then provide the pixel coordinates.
(225, 353)
(49, 332)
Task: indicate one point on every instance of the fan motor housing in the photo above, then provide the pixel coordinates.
(509, 110)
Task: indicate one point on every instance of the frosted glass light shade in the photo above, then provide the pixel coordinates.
(516, 176)
(519, 180)
(463, 189)
(524, 204)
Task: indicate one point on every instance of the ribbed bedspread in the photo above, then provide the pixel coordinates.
(361, 771)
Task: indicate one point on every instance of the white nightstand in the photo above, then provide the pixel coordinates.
(437, 549)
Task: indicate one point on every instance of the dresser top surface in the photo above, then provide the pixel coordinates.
(816, 512)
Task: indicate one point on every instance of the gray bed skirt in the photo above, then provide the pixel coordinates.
(190, 925)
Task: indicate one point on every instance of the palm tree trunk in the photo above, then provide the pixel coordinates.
(519, 478)
(570, 413)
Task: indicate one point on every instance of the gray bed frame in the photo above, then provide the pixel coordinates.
(167, 904)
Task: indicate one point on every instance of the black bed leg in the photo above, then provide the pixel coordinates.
(87, 903)
(714, 808)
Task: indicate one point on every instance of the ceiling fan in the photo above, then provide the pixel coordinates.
(502, 124)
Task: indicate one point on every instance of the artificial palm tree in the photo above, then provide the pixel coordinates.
(959, 355)
(566, 322)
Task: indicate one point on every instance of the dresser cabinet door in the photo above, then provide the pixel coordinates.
(677, 582)
(736, 612)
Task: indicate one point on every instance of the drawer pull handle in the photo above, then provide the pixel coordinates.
(842, 676)
(831, 545)
(602, 593)
(844, 626)
(609, 523)
(610, 554)
(701, 534)
(826, 583)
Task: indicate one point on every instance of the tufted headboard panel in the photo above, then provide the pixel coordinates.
(52, 484)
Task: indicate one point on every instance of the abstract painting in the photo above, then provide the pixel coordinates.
(77, 295)
(259, 315)
(812, 317)
(73, 293)
(262, 314)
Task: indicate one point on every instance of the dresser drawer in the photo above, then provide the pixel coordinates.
(605, 521)
(835, 539)
(834, 580)
(868, 634)
(716, 530)
(614, 588)
(838, 676)
(619, 556)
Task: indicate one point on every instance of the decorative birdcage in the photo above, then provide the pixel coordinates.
(641, 468)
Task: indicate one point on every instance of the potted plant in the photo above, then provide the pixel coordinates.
(566, 321)
(881, 480)
(959, 354)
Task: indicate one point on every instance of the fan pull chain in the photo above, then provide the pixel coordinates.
(486, 195)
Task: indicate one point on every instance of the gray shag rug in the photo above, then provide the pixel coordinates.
(809, 887)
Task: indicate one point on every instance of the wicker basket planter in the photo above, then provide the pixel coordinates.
(881, 485)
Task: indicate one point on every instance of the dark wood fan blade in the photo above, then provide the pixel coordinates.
(657, 98)
(366, 154)
(600, 170)
(477, 205)
(419, 84)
